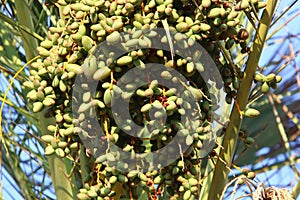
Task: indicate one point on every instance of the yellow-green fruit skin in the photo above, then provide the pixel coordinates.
(251, 112)
(265, 88)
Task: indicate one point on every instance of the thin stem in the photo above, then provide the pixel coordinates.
(230, 139)
(284, 136)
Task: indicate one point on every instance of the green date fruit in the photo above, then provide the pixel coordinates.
(98, 41)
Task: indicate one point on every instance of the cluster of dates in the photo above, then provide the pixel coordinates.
(99, 41)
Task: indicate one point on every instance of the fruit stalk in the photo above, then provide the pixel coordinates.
(57, 165)
(229, 142)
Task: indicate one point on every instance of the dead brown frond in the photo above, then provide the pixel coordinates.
(271, 193)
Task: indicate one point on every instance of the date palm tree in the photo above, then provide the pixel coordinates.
(265, 146)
